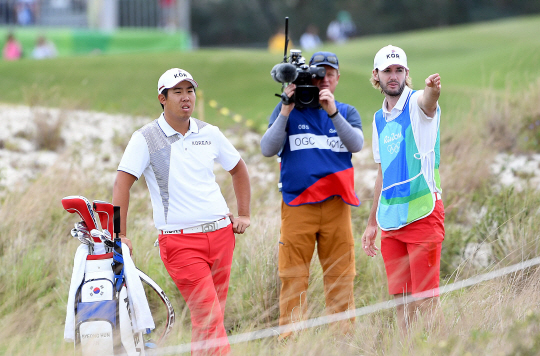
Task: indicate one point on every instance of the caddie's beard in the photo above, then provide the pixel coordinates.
(395, 92)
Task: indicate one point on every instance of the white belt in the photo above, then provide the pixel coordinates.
(437, 196)
(208, 227)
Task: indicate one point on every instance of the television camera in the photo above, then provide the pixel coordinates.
(294, 70)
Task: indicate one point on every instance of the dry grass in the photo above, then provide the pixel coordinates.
(496, 318)
(48, 130)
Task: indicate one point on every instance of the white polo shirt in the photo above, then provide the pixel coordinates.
(425, 130)
(179, 171)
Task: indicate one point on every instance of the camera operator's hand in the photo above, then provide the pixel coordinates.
(326, 99)
(286, 109)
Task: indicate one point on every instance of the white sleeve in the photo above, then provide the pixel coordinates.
(136, 156)
(425, 128)
(375, 143)
(416, 111)
(227, 156)
(425, 131)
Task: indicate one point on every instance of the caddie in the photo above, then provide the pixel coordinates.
(176, 155)
(407, 203)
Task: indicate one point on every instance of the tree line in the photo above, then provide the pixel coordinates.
(252, 22)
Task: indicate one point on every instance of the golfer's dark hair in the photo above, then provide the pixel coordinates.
(164, 92)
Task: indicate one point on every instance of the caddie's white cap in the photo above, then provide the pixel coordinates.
(172, 77)
(388, 56)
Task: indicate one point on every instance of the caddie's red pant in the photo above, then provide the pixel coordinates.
(412, 255)
(200, 266)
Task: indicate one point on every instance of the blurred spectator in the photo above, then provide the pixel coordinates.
(79, 5)
(44, 49)
(168, 14)
(341, 29)
(12, 49)
(276, 43)
(310, 39)
(26, 12)
(93, 11)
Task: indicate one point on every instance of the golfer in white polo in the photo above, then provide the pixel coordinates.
(176, 155)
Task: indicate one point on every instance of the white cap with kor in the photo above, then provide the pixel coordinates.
(388, 56)
(172, 77)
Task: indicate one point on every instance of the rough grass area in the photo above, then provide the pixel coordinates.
(489, 106)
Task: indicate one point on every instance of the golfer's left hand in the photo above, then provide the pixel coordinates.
(240, 223)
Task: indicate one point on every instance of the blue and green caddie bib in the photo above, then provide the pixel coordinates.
(405, 195)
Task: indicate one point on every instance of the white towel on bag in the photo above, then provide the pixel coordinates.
(141, 317)
(77, 278)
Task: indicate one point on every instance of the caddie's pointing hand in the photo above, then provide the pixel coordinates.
(434, 81)
(428, 100)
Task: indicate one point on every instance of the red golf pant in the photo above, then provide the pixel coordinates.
(200, 266)
(412, 255)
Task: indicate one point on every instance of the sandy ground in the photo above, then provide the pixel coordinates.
(95, 141)
(91, 141)
(518, 171)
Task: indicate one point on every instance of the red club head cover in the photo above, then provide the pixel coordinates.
(105, 212)
(80, 205)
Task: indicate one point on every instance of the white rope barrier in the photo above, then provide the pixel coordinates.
(306, 324)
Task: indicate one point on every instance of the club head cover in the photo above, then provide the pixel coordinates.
(105, 211)
(80, 205)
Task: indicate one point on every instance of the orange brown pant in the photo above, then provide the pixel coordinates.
(328, 226)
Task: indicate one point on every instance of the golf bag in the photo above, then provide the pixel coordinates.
(107, 311)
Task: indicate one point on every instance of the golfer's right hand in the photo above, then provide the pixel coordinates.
(368, 241)
(127, 242)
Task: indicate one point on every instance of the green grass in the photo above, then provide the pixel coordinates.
(496, 55)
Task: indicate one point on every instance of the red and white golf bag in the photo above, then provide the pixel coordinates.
(107, 311)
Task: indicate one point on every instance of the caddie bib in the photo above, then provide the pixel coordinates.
(405, 195)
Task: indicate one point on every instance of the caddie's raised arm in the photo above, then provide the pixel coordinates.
(428, 100)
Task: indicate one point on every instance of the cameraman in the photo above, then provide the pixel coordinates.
(317, 184)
